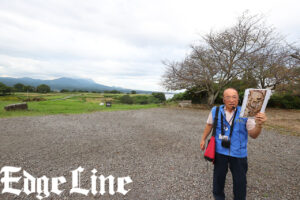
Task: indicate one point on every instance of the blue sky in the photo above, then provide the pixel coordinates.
(119, 42)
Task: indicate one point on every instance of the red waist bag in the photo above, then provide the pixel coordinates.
(210, 150)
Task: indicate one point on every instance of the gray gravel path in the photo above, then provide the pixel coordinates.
(158, 148)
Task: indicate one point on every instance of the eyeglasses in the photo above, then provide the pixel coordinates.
(231, 97)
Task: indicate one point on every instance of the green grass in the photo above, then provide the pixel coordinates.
(48, 96)
(74, 105)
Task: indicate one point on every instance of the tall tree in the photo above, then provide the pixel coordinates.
(4, 89)
(19, 87)
(29, 88)
(220, 57)
(43, 88)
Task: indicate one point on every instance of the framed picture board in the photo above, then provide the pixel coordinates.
(255, 101)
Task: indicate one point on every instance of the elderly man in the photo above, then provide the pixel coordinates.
(231, 144)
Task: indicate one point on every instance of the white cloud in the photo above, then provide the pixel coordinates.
(120, 42)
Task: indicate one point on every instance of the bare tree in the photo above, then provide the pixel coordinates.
(273, 65)
(296, 52)
(222, 57)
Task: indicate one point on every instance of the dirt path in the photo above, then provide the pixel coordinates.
(64, 98)
(158, 148)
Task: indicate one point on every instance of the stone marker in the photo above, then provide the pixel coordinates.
(185, 103)
(18, 106)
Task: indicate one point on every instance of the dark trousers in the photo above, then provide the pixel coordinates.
(238, 168)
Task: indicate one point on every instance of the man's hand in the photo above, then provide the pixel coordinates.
(202, 145)
(206, 132)
(260, 118)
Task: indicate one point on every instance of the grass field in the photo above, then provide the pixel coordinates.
(65, 103)
(285, 121)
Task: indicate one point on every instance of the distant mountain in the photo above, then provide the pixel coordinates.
(66, 83)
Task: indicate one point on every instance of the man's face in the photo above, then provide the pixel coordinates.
(230, 98)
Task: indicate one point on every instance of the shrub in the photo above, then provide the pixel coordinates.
(140, 99)
(195, 97)
(126, 99)
(179, 97)
(160, 96)
(152, 99)
(113, 91)
(286, 101)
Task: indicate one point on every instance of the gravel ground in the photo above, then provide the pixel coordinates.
(158, 148)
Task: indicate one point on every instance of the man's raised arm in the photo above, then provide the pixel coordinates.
(260, 119)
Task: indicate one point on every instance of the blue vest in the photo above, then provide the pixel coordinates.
(239, 138)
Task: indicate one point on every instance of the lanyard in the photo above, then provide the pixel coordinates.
(231, 127)
(231, 117)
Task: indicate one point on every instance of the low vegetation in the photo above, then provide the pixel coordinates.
(73, 103)
(285, 121)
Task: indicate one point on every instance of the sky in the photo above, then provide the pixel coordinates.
(119, 42)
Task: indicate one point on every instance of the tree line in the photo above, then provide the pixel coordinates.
(19, 87)
(156, 97)
(249, 54)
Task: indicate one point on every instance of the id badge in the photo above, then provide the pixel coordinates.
(225, 137)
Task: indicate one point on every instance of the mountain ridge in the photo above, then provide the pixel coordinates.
(66, 83)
